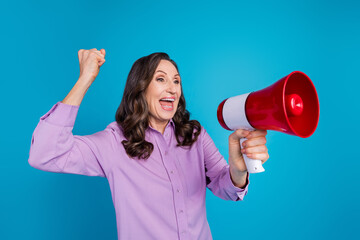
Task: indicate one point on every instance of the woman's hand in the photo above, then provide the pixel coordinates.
(90, 62)
(254, 147)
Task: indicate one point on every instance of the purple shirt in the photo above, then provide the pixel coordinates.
(160, 198)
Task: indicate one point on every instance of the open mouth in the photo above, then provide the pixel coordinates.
(167, 103)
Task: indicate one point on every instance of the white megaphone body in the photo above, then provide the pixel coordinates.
(290, 105)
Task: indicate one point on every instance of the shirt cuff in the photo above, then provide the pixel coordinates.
(61, 114)
(239, 192)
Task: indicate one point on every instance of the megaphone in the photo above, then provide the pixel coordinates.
(290, 105)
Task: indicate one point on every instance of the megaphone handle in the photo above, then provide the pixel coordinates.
(252, 165)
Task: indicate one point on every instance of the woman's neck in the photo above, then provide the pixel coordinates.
(159, 126)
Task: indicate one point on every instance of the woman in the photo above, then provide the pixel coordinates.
(158, 162)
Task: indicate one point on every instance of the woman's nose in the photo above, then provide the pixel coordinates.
(171, 88)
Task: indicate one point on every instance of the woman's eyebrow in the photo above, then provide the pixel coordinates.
(166, 73)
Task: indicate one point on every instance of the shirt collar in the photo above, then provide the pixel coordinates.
(172, 122)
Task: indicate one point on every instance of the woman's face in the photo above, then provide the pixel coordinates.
(163, 93)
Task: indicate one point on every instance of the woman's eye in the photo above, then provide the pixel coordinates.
(160, 79)
(177, 81)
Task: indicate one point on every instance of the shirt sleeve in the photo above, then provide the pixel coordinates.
(55, 149)
(218, 178)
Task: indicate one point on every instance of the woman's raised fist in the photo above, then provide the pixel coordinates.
(90, 62)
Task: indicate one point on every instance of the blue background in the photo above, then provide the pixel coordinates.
(223, 48)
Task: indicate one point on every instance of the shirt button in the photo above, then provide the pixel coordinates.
(181, 211)
(178, 190)
(171, 171)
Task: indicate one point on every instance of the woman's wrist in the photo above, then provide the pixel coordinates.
(238, 177)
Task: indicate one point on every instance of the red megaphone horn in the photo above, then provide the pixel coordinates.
(290, 105)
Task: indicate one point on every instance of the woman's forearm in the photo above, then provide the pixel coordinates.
(77, 93)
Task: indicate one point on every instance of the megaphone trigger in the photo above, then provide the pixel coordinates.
(252, 165)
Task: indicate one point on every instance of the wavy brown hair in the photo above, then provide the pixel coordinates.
(133, 113)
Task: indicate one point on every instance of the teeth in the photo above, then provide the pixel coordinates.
(168, 99)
